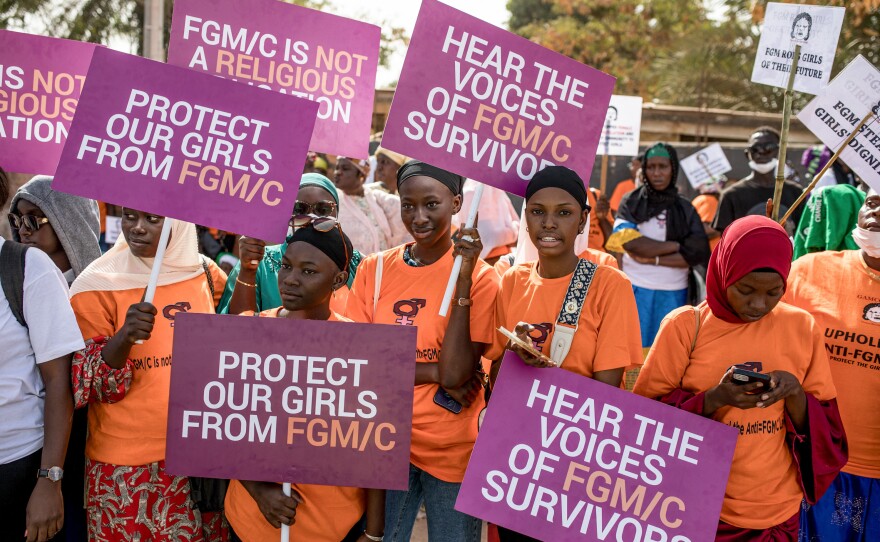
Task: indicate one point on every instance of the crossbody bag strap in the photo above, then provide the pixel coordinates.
(208, 277)
(380, 262)
(12, 262)
(570, 314)
(698, 316)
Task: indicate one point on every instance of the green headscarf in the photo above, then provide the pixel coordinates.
(316, 179)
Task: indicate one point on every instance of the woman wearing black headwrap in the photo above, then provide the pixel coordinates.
(405, 286)
(314, 265)
(530, 301)
(662, 237)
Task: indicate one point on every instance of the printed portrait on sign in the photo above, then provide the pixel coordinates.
(871, 313)
(801, 26)
(611, 115)
(703, 159)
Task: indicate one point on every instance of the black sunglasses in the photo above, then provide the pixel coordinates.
(762, 148)
(319, 208)
(31, 222)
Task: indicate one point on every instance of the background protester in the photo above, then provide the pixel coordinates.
(625, 186)
(313, 266)
(600, 225)
(749, 196)
(387, 164)
(662, 237)
(800, 445)
(828, 222)
(842, 290)
(531, 296)
(253, 283)
(407, 289)
(499, 222)
(372, 216)
(706, 205)
(66, 228)
(124, 376)
(38, 334)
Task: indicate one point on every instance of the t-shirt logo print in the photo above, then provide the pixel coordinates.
(871, 313)
(540, 334)
(170, 311)
(407, 309)
(754, 366)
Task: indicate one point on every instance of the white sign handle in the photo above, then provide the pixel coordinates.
(285, 529)
(456, 266)
(157, 263)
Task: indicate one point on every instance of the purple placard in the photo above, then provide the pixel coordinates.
(191, 146)
(290, 49)
(339, 396)
(494, 107)
(40, 82)
(561, 456)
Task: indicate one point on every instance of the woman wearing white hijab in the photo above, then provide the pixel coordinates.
(124, 375)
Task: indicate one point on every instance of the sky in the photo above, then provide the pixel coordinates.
(403, 13)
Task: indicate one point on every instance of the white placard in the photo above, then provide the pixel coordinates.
(815, 28)
(706, 165)
(112, 229)
(835, 112)
(623, 122)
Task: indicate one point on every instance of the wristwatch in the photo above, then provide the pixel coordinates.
(54, 474)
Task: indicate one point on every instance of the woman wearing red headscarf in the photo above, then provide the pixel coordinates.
(791, 444)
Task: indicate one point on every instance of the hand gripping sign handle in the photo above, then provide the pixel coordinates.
(456, 267)
(157, 262)
(285, 529)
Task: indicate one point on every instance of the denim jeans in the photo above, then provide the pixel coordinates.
(445, 524)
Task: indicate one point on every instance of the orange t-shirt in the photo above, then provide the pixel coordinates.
(845, 301)
(595, 236)
(442, 442)
(327, 513)
(622, 189)
(102, 215)
(608, 335)
(132, 431)
(706, 206)
(763, 488)
(596, 256)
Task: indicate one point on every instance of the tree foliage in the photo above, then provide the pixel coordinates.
(676, 51)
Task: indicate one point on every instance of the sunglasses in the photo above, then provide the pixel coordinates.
(31, 222)
(320, 208)
(322, 224)
(763, 148)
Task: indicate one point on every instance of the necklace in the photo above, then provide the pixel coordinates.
(410, 258)
(867, 269)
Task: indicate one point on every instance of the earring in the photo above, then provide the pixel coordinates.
(527, 229)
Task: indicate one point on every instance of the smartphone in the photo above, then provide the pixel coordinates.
(446, 401)
(524, 345)
(743, 376)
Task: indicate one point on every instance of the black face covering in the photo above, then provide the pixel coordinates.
(559, 177)
(333, 243)
(414, 168)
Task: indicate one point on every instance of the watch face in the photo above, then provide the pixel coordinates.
(55, 474)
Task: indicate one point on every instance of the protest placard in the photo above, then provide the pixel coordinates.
(290, 49)
(623, 124)
(561, 456)
(301, 401)
(490, 105)
(706, 165)
(835, 112)
(40, 82)
(815, 28)
(178, 143)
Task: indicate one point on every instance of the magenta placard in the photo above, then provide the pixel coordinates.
(492, 106)
(40, 83)
(290, 49)
(281, 400)
(563, 457)
(183, 144)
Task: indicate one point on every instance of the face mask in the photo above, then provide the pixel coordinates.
(869, 241)
(764, 168)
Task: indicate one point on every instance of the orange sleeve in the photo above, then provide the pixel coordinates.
(484, 292)
(818, 381)
(706, 207)
(666, 362)
(359, 306)
(499, 341)
(619, 341)
(95, 314)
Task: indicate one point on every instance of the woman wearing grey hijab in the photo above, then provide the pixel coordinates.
(67, 228)
(64, 226)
